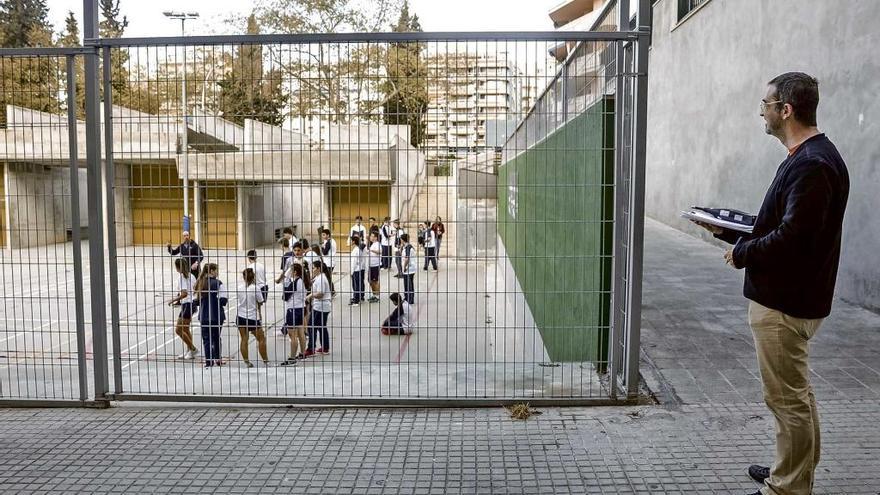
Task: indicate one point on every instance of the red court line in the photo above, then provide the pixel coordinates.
(405, 342)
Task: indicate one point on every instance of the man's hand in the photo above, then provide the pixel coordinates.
(714, 229)
(728, 258)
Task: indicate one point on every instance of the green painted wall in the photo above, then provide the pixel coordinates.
(554, 216)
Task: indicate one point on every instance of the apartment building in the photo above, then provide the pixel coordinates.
(464, 92)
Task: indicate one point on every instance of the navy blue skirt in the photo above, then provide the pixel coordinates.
(294, 317)
(186, 311)
(251, 325)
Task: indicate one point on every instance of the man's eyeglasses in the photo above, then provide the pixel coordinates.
(764, 104)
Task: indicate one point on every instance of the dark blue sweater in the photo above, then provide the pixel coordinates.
(212, 303)
(792, 256)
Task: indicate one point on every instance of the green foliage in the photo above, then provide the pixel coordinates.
(30, 82)
(111, 26)
(247, 91)
(405, 88)
(70, 37)
(24, 23)
(337, 81)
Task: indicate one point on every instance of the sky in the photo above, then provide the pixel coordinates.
(146, 19)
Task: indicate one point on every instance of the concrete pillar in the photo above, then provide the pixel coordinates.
(241, 228)
(197, 212)
(6, 221)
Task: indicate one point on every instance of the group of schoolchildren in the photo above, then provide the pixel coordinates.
(307, 289)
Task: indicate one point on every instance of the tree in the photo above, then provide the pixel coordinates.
(70, 37)
(30, 82)
(22, 21)
(405, 88)
(112, 27)
(337, 81)
(249, 92)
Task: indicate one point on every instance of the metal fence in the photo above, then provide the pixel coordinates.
(526, 147)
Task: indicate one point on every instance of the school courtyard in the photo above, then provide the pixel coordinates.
(706, 426)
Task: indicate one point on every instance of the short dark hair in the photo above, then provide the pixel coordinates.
(326, 231)
(801, 91)
(404, 237)
(356, 240)
(358, 217)
(287, 230)
(252, 254)
(395, 298)
(285, 243)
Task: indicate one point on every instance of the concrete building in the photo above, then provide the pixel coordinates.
(706, 141)
(464, 92)
(245, 181)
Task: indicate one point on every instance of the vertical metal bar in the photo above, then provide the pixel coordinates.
(110, 208)
(637, 210)
(75, 229)
(96, 213)
(618, 250)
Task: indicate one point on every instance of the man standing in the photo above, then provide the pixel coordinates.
(357, 229)
(791, 262)
(189, 251)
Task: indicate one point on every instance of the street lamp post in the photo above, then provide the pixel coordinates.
(183, 17)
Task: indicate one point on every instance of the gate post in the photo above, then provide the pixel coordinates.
(637, 199)
(96, 213)
(75, 230)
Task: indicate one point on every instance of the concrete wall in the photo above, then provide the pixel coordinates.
(477, 236)
(366, 136)
(36, 201)
(253, 229)
(706, 141)
(305, 205)
(409, 173)
(473, 184)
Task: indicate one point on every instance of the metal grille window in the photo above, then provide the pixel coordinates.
(685, 7)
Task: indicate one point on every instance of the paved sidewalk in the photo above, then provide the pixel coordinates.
(698, 359)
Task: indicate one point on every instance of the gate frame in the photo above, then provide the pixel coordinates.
(69, 56)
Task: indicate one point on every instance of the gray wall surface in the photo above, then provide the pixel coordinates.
(305, 205)
(706, 141)
(36, 200)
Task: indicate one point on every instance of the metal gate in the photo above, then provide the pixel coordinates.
(524, 150)
(43, 350)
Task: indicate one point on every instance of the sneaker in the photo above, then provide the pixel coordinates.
(193, 353)
(308, 354)
(759, 473)
(288, 362)
(373, 299)
(209, 364)
(325, 351)
(299, 357)
(398, 275)
(319, 350)
(425, 269)
(249, 364)
(757, 493)
(354, 303)
(183, 356)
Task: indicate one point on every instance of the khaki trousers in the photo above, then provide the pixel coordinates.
(781, 342)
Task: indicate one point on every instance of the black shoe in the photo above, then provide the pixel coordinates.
(757, 493)
(759, 473)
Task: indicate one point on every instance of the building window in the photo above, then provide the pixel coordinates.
(685, 7)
